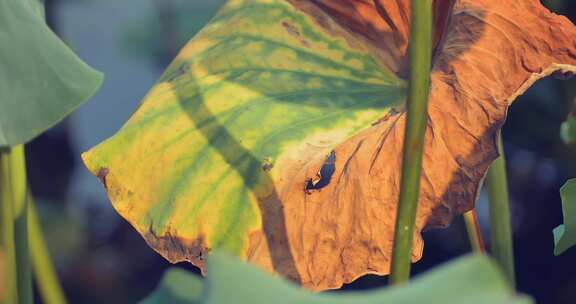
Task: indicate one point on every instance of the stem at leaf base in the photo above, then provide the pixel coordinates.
(15, 214)
(500, 223)
(473, 229)
(10, 288)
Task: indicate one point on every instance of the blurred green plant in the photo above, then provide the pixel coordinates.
(157, 37)
(41, 82)
(44, 271)
(568, 129)
(472, 279)
(500, 220)
(41, 79)
(565, 235)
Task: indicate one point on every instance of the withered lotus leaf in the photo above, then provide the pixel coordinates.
(276, 133)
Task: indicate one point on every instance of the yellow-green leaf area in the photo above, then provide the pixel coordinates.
(262, 87)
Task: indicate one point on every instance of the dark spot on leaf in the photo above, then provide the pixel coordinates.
(291, 29)
(267, 165)
(323, 177)
(181, 70)
(392, 112)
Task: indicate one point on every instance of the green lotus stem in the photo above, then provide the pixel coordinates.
(420, 55)
(473, 230)
(20, 203)
(500, 227)
(46, 278)
(15, 205)
(7, 225)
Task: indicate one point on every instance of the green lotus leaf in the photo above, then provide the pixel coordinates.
(41, 79)
(177, 287)
(470, 279)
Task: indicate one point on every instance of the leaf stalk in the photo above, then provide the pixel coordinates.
(473, 230)
(14, 201)
(500, 221)
(44, 272)
(420, 55)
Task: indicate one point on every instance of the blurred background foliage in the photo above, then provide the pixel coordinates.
(99, 257)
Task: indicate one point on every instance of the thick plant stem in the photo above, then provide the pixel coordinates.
(500, 226)
(420, 55)
(14, 167)
(7, 225)
(473, 229)
(19, 198)
(44, 272)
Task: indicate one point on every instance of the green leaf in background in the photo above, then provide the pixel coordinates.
(565, 235)
(568, 129)
(41, 79)
(472, 279)
(168, 28)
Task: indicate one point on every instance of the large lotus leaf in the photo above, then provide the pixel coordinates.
(471, 279)
(276, 134)
(41, 79)
(565, 235)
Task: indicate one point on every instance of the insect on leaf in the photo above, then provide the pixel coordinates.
(276, 133)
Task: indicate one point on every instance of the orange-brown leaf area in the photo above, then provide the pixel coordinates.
(492, 51)
(385, 25)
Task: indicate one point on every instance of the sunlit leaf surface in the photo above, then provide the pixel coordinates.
(287, 91)
(276, 133)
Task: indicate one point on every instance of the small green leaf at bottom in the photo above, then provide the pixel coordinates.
(177, 287)
(565, 235)
(471, 279)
